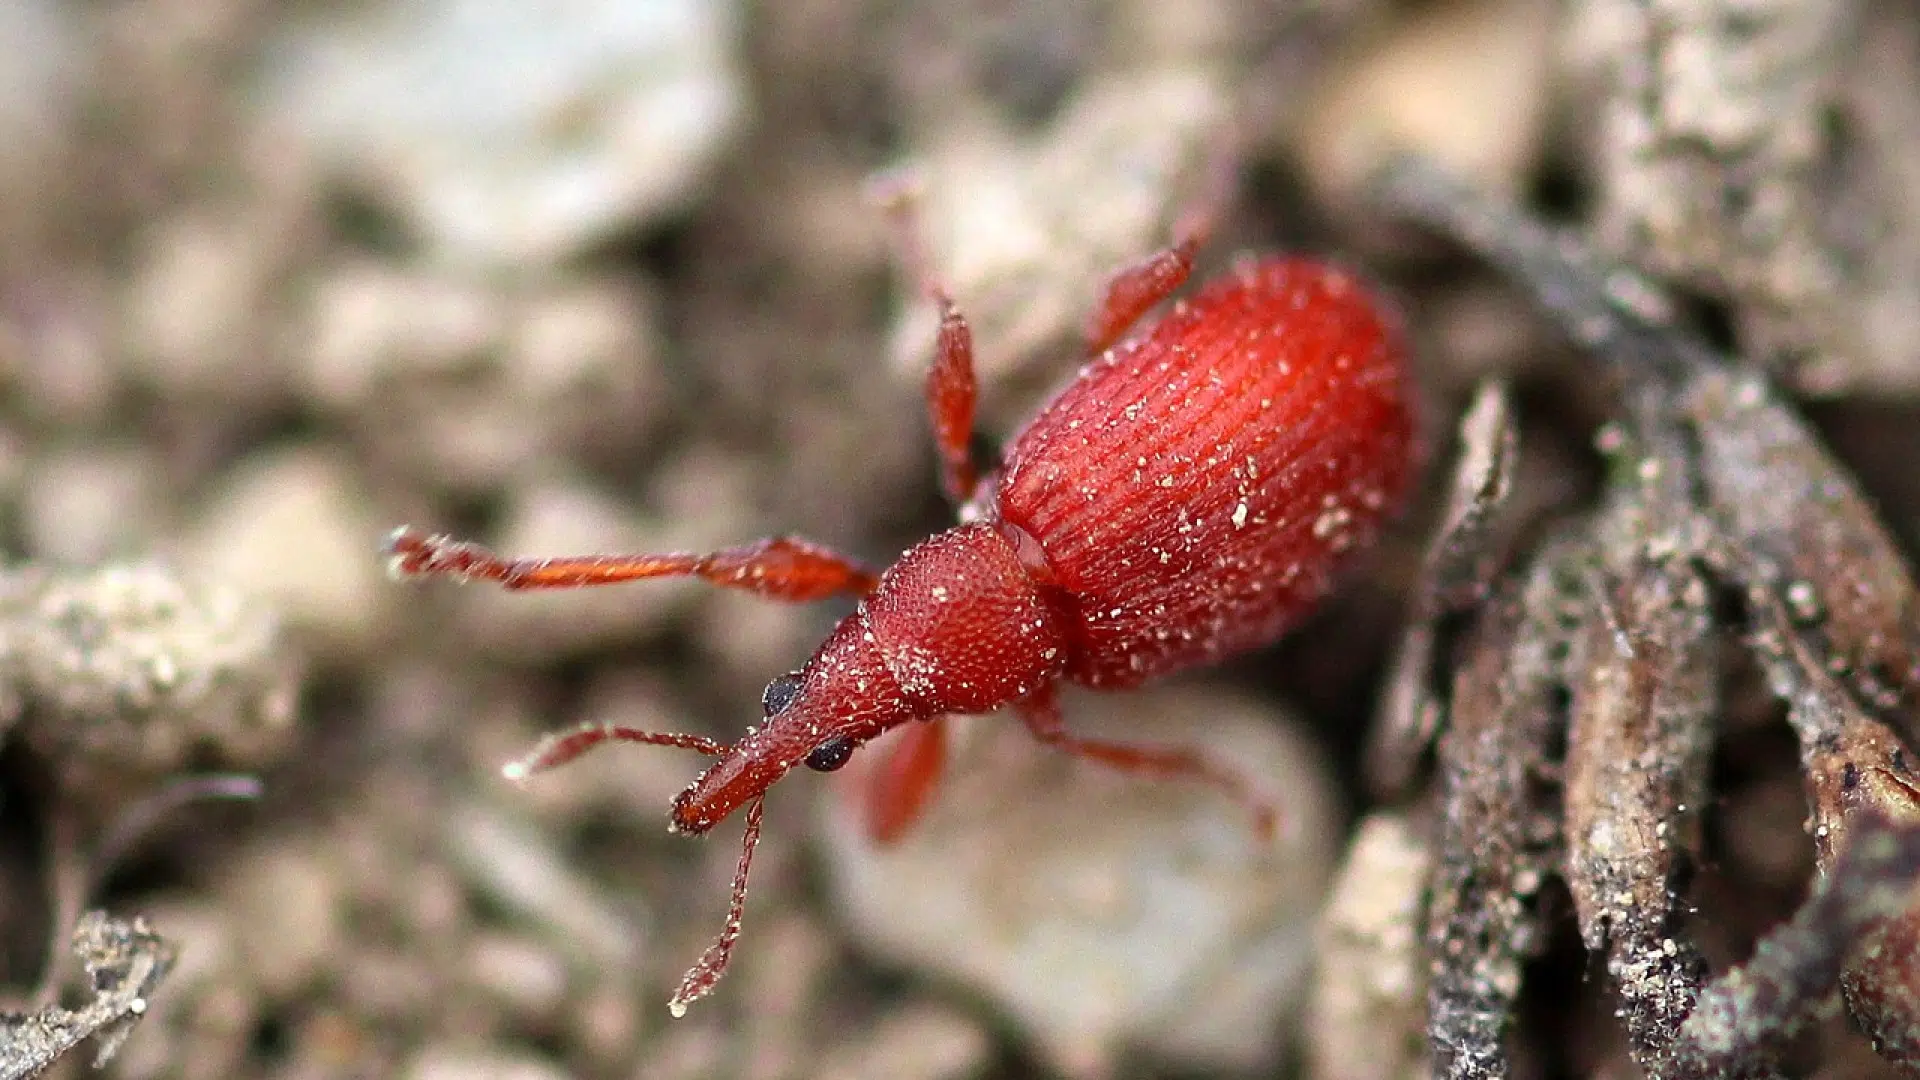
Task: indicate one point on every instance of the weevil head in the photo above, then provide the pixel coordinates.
(816, 716)
(957, 624)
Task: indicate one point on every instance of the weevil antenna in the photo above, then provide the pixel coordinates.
(558, 748)
(705, 974)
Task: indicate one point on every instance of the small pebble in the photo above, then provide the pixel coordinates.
(917, 1042)
(83, 506)
(527, 978)
(515, 132)
(474, 1063)
(1409, 92)
(289, 914)
(1368, 1002)
(293, 528)
(518, 869)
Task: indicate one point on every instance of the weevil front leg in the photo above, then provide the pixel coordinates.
(783, 568)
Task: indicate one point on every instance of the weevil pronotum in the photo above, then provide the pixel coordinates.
(1188, 495)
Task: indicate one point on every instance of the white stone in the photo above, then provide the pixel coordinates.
(513, 132)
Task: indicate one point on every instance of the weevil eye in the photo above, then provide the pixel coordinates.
(779, 694)
(831, 754)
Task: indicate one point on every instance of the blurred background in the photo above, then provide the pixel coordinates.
(569, 276)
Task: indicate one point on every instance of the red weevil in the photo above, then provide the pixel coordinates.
(1188, 495)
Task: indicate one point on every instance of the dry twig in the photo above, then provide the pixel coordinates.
(1716, 487)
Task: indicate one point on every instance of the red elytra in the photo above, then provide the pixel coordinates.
(1188, 495)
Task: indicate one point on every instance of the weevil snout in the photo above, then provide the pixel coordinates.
(815, 717)
(742, 775)
(686, 818)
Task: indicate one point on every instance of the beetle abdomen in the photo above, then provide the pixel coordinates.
(1196, 489)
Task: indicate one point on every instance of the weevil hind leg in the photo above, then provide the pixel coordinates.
(781, 568)
(1044, 719)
